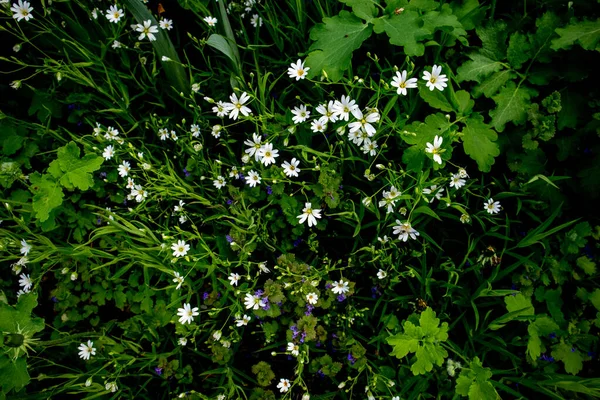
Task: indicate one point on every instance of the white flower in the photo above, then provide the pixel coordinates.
(253, 302)
(195, 130)
(340, 287)
(310, 214)
(364, 122)
(254, 146)
(114, 14)
(293, 348)
(216, 130)
(166, 24)
(74, 276)
(217, 335)
(437, 192)
(108, 153)
(180, 248)
(22, 10)
(383, 239)
(138, 193)
(25, 248)
(492, 207)
(253, 178)
(179, 206)
(86, 350)
(25, 282)
(400, 82)
(434, 79)
(111, 134)
(237, 106)
(219, 182)
(283, 385)
(163, 133)
(317, 125)
(463, 173)
(116, 44)
(457, 182)
(178, 280)
(182, 341)
(95, 13)
(343, 108)
(198, 147)
(88, 382)
(381, 274)
(187, 313)
(434, 148)
(306, 396)
(256, 20)
(298, 70)
(210, 21)
(111, 386)
(404, 231)
(147, 30)
(15, 84)
(234, 279)
(370, 147)
(301, 114)
(182, 219)
(326, 110)
(262, 267)
(465, 218)
(124, 169)
(242, 321)
(291, 168)
(221, 109)
(195, 87)
(267, 155)
(312, 298)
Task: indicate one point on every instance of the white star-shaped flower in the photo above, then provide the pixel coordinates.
(180, 248)
(86, 350)
(310, 214)
(400, 82)
(291, 168)
(434, 79)
(434, 149)
(298, 70)
(187, 313)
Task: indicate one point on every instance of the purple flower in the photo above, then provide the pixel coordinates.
(102, 175)
(229, 238)
(328, 286)
(544, 357)
(185, 171)
(204, 295)
(341, 298)
(297, 242)
(552, 335)
(54, 299)
(320, 374)
(351, 359)
(269, 190)
(302, 337)
(229, 202)
(158, 370)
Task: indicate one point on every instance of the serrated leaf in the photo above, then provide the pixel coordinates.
(584, 33)
(493, 40)
(479, 142)
(541, 327)
(518, 50)
(435, 98)
(404, 30)
(478, 68)
(73, 172)
(512, 104)
(570, 356)
(47, 195)
(493, 83)
(464, 103)
(364, 9)
(335, 40)
(541, 39)
(587, 265)
(444, 20)
(595, 299)
(519, 304)
(14, 374)
(473, 382)
(469, 12)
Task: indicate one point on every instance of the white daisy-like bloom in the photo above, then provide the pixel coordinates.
(435, 191)
(401, 83)
(253, 179)
(182, 341)
(312, 298)
(163, 133)
(22, 10)
(253, 302)
(463, 173)
(111, 133)
(492, 207)
(243, 321)
(195, 130)
(111, 386)
(364, 122)
(381, 274)
(219, 182)
(434, 79)
(262, 268)
(147, 30)
(221, 109)
(340, 287)
(179, 206)
(456, 181)
(211, 21)
(301, 114)
(291, 168)
(180, 248)
(187, 313)
(404, 230)
(326, 110)
(237, 106)
(182, 219)
(138, 193)
(293, 348)
(124, 169)
(318, 126)
(173, 136)
(178, 279)
(95, 13)
(195, 87)
(216, 131)
(388, 203)
(116, 44)
(114, 14)
(234, 279)
(253, 146)
(108, 153)
(267, 154)
(86, 350)
(25, 282)
(166, 24)
(383, 239)
(256, 21)
(217, 335)
(297, 70)
(434, 149)
(370, 147)
(310, 214)
(283, 385)
(25, 248)
(344, 107)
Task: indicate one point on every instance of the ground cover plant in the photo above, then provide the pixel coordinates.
(299, 199)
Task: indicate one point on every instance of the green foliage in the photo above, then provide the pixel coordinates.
(570, 356)
(474, 382)
(264, 373)
(479, 142)
(584, 33)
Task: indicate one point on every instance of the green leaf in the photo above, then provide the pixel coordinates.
(512, 104)
(519, 304)
(573, 360)
(335, 40)
(14, 374)
(364, 9)
(435, 98)
(469, 12)
(48, 195)
(584, 33)
(587, 265)
(493, 40)
(18, 318)
(11, 140)
(479, 142)
(595, 299)
(539, 328)
(221, 44)
(493, 83)
(464, 103)
(445, 21)
(518, 50)
(478, 68)
(404, 30)
(418, 134)
(474, 382)
(540, 40)
(73, 172)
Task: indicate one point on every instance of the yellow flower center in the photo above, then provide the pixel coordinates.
(432, 80)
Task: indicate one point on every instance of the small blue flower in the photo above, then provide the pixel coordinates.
(158, 371)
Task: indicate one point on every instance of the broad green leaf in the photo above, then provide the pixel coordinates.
(584, 33)
(519, 50)
(570, 356)
(435, 98)
(15, 318)
(479, 142)
(478, 68)
(595, 299)
(221, 44)
(512, 104)
(72, 171)
(365, 9)
(539, 328)
(493, 83)
(419, 134)
(335, 40)
(587, 265)
(469, 12)
(404, 30)
(11, 140)
(541, 39)
(445, 21)
(14, 373)
(47, 195)
(473, 382)
(493, 40)
(464, 103)
(519, 304)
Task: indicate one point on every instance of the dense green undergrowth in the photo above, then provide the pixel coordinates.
(299, 199)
